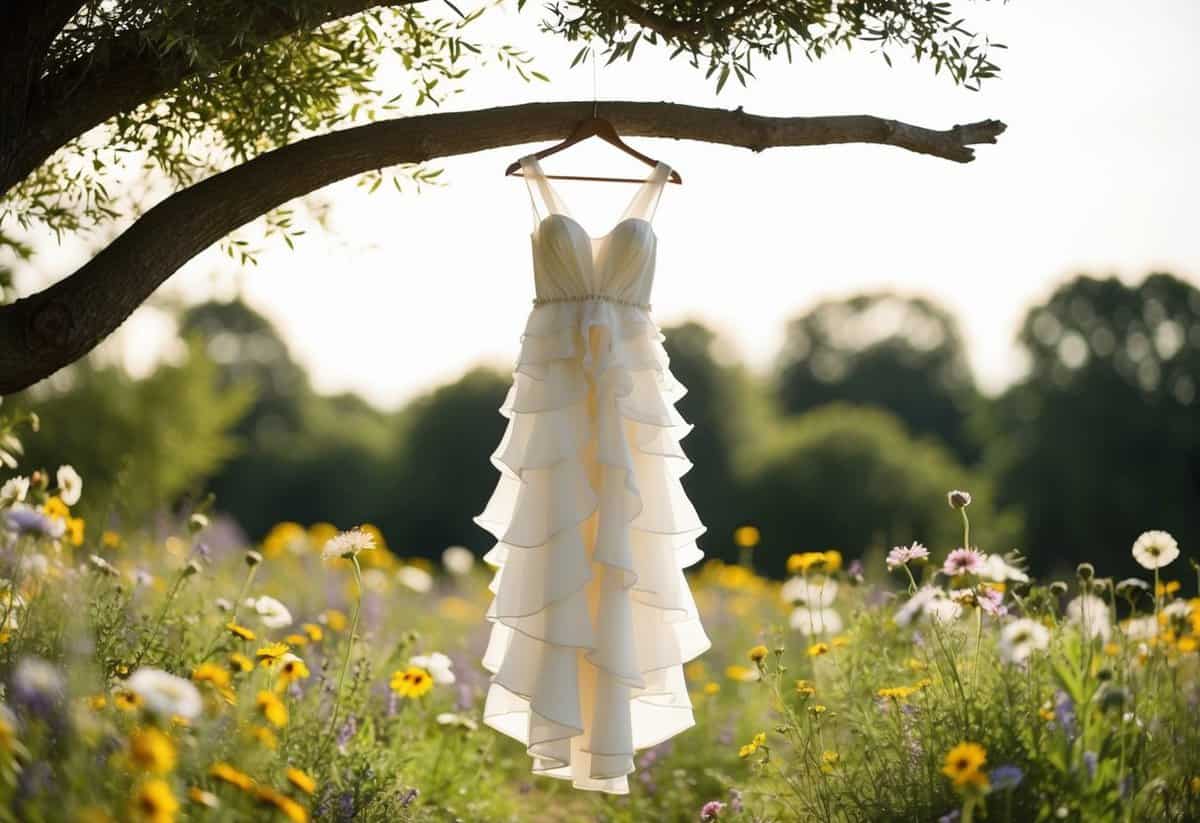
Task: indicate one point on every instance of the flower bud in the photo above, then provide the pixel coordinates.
(253, 558)
(1086, 571)
(192, 567)
(1058, 588)
(197, 522)
(959, 499)
(39, 480)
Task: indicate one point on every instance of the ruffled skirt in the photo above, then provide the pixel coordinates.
(592, 616)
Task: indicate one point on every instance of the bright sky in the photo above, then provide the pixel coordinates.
(1097, 173)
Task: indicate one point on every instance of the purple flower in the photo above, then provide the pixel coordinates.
(1004, 777)
(1064, 713)
(950, 816)
(1090, 761)
(346, 733)
(735, 800)
(903, 555)
(964, 561)
(711, 810)
(24, 519)
(991, 601)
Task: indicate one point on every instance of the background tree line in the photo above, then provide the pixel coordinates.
(869, 415)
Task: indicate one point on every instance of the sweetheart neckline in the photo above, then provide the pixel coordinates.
(594, 237)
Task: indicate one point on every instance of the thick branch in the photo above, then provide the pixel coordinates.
(84, 94)
(42, 333)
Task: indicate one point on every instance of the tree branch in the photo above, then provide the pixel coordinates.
(48, 330)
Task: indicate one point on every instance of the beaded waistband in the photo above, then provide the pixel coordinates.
(588, 298)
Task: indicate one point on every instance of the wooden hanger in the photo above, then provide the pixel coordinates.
(594, 127)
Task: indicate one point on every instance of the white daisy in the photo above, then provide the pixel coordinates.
(928, 602)
(347, 544)
(164, 694)
(14, 491)
(997, 569)
(458, 560)
(812, 620)
(70, 485)
(415, 578)
(272, 613)
(1091, 615)
(1155, 549)
(800, 590)
(437, 664)
(1021, 638)
(1140, 628)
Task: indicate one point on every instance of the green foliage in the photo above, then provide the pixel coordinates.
(725, 39)
(241, 90)
(1104, 428)
(856, 479)
(161, 436)
(906, 355)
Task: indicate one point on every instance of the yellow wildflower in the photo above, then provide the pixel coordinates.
(272, 709)
(818, 709)
(202, 798)
(110, 540)
(284, 536)
(240, 663)
(832, 560)
(964, 764)
(151, 751)
(805, 688)
(270, 653)
(746, 537)
(1168, 587)
(75, 531)
(264, 737)
(829, 761)
(747, 750)
(211, 673)
(301, 780)
(290, 809)
(758, 653)
(291, 669)
(740, 673)
(56, 509)
(711, 689)
(896, 692)
(126, 701)
(841, 641)
(1186, 644)
(808, 561)
(97, 701)
(759, 739)
(154, 801)
(228, 774)
(336, 620)
(313, 632)
(296, 640)
(241, 632)
(412, 682)
(818, 649)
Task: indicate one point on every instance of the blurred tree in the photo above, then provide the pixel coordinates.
(302, 455)
(903, 354)
(721, 401)
(138, 444)
(233, 109)
(440, 477)
(853, 479)
(1101, 440)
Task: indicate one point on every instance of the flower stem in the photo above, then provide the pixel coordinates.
(162, 615)
(337, 700)
(237, 604)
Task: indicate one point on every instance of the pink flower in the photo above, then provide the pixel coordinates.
(711, 810)
(903, 555)
(991, 601)
(964, 561)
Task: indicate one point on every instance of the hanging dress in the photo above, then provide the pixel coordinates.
(592, 616)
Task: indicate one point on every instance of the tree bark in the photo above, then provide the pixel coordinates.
(48, 330)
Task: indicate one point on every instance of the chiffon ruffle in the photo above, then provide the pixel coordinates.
(592, 616)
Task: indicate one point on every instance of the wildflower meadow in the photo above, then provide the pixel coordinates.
(152, 674)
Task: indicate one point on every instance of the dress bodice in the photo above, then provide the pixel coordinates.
(570, 265)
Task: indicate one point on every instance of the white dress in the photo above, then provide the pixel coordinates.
(592, 616)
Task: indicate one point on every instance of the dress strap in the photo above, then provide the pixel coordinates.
(538, 185)
(645, 200)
